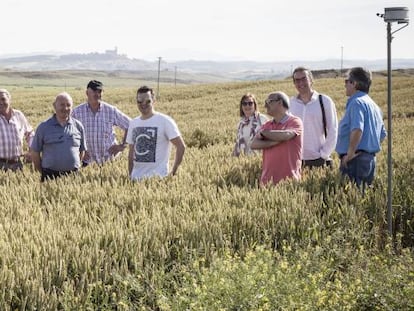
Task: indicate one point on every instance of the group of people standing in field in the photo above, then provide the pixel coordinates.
(304, 130)
(74, 138)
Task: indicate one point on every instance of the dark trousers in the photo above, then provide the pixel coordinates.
(360, 169)
(320, 162)
(7, 165)
(47, 173)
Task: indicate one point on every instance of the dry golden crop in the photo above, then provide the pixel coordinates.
(100, 241)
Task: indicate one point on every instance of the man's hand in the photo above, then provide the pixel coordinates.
(27, 157)
(86, 156)
(348, 157)
(115, 149)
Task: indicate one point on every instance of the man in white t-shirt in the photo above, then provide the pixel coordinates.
(149, 137)
(318, 114)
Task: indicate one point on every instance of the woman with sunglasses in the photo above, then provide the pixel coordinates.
(250, 122)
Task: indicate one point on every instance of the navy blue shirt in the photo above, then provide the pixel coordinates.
(60, 145)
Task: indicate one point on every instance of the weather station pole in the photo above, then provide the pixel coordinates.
(397, 15)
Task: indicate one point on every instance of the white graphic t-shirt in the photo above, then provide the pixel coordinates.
(152, 147)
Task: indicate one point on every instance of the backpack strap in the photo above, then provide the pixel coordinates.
(323, 114)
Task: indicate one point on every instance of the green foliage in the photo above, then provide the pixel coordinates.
(312, 278)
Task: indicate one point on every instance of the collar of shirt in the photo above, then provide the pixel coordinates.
(314, 97)
(355, 96)
(283, 120)
(56, 122)
(99, 106)
(12, 113)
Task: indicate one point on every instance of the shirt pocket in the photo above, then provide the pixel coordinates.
(54, 139)
(75, 140)
(107, 130)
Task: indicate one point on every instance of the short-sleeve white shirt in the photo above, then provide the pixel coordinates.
(152, 147)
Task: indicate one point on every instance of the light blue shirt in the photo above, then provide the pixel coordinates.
(362, 113)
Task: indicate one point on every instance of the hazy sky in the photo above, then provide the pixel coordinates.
(261, 30)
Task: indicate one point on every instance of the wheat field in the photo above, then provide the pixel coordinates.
(209, 238)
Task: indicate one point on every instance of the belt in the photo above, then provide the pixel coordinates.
(317, 162)
(364, 151)
(10, 161)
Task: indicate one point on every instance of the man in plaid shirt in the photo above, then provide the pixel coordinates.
(99, 119)
(13, 128)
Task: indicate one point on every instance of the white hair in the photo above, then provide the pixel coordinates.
(4, 91)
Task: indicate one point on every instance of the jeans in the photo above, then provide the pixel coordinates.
(360, 169)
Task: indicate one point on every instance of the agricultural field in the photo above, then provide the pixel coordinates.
(209, 238)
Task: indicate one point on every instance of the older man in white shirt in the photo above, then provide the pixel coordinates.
(14, 128)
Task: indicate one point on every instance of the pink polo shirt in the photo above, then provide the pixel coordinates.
(283, 160)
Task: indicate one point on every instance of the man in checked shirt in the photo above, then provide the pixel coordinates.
(14, 127)
(99, 119)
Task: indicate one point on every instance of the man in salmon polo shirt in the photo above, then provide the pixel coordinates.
(281, 140)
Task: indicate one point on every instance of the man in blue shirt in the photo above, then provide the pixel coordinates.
(59, 143)
(361, 129)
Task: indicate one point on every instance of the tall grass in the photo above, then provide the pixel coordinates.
(98, 241)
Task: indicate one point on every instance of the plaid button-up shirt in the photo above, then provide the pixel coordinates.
(12, 133)
(99, 128)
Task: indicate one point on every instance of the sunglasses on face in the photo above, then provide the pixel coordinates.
(245, 104)
(269, 101)
(348, 81)
(147, 102)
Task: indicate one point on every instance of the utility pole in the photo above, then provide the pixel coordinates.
(158, 84)
(175, 76)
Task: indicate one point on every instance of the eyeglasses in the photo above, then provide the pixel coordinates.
(247, 104)
(348, 81)
(271, 100)
(147, 102)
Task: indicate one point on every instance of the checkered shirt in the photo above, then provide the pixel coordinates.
(99, 128)
(12, 133)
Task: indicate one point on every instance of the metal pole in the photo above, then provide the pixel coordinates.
(175, 76)
(389, 138)
(158, 84)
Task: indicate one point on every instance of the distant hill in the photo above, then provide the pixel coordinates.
(225, 70)
(90, 61)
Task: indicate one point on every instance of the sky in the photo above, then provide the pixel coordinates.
(256, 30)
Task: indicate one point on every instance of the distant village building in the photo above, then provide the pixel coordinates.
(113, 52)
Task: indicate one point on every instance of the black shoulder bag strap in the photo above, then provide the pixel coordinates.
(323, 114)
